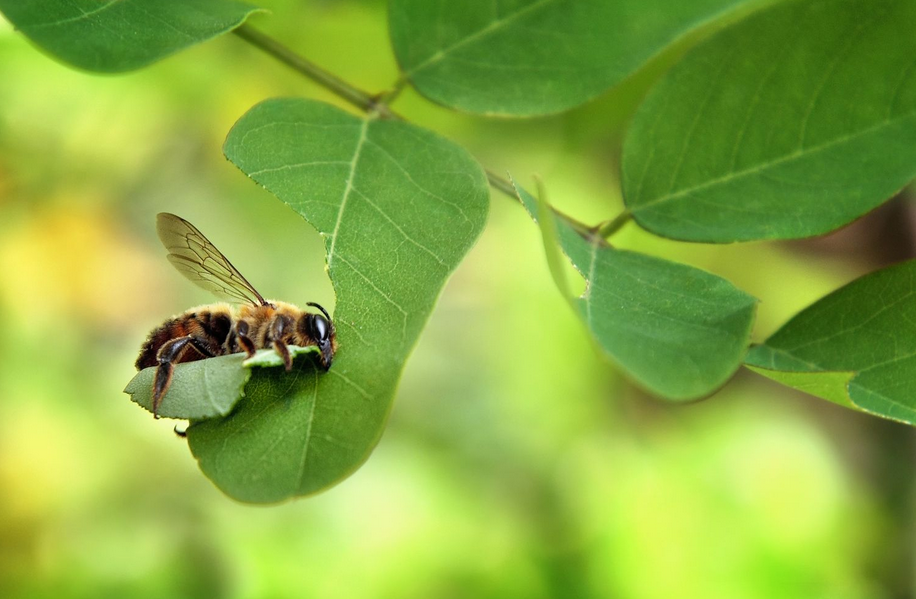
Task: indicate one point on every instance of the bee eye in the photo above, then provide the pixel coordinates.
(320, 328)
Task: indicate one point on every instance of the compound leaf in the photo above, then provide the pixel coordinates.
(399, 207)
(792, 123)
(855, 347)
(530, 57)
(121, 35)
(678, 331)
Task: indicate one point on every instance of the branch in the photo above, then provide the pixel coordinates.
(377, 104)
(329, 81)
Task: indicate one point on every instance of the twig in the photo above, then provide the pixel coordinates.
(365, 101)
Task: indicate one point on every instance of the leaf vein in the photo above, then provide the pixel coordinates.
(360, 142)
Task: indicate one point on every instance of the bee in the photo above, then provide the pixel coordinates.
(222, 329)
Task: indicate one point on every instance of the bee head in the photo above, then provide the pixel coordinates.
(320, 328)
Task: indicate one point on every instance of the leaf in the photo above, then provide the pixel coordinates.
(205, 388)
(268, 358)
(678, 331)
(826, 385)
(790, 124)
(543, 215)
(121, 35)
(399, 207)
(201, 389)
(531, 57)
(857, 344)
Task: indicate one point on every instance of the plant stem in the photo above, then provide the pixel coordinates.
(608, 228)
(361, 99)
(501, 184)
(325, 79)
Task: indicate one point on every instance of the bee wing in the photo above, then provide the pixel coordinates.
(201, 263)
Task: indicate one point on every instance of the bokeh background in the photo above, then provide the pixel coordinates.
(517, 462)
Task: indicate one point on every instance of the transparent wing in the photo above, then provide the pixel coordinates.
(199, 260)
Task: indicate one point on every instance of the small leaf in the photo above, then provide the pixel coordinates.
(268, 358)
(543, 215)
(201, 389)
(399, 207)
(206, 388)
(530, 57)
(121, 35)
(790, 124)
(826, 385)
(677, 330)
(863, 336)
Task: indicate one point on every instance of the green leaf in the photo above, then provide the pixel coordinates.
(790, 124)
(863, 336)
(201, 389)
(268, 358)
(531, 57)
(399, 207)
(543, 215)
(121, 35)
(826, 385)
(205, 388)
(678, 331)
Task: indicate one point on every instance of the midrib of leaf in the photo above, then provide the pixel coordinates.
(788, 354)
(801, 152)
(488, 29)
(300, 478)
(347, 189)
(855, 327)
(80, 17)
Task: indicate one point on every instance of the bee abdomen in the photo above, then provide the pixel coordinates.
(211, 327)
(170, 330)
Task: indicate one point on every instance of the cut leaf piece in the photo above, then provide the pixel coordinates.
(865, 330)
(121, 35)
(399, 207)
(678, 331)
(530, 57)
(205, 388)
(789, 124)
(202, 389)
(268, 358)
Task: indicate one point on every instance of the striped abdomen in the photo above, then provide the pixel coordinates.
(213, 326)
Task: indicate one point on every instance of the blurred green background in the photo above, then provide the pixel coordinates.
(517, 463)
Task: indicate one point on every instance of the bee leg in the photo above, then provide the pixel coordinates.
(171, 352)
(241, 333)
(276, 333)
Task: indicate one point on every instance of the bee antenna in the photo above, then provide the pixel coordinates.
(323, 311)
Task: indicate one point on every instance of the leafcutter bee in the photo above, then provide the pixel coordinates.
(221, 329)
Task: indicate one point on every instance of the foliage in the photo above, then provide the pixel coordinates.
(679, 331)
(789, 123)
(206, 388)
(111, 36)
(530, 57)
(398, 208)
(857, 346)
